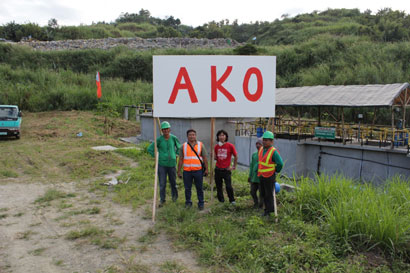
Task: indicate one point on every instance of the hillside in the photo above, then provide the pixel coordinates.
(333, 47)
(384, 26)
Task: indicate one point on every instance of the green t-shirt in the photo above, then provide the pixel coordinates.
(253, 168)
(167, 149)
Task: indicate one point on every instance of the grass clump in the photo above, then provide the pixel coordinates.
(53, 194)
(87, 232)
(3, 215)
(38, 251)
(8, 174)
(96, 236)
(25, 235)
(172, 267)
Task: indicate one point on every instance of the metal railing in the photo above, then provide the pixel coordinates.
(140, 108)
(363, 134)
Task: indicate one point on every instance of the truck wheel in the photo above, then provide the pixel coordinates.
(18, 136)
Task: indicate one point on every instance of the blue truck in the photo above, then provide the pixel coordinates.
(10, 121)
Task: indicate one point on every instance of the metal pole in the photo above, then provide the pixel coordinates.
(137, 114)
(404, 110)
(392, 127)
(126, 112)
(343, 126)
(298, 124)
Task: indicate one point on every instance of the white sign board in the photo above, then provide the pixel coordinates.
(214, 86)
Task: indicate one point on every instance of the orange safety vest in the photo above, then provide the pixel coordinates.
(266, 166)
(191, 161)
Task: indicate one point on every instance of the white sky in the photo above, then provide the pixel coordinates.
(190, 12)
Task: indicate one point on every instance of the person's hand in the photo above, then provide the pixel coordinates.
(249, 179)
(179, 174)
(206, 172)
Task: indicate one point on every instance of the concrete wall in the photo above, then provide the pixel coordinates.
(179, 126)
(353, 161)
(292, 154)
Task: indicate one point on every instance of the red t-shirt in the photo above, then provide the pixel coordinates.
(224, 155)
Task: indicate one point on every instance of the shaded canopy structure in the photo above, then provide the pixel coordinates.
(397, 94)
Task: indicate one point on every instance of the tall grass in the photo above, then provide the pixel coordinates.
(44, 90)
(324, 226)
(361, 215)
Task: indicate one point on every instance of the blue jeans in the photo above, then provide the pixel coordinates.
(162, 176)
(197, 177)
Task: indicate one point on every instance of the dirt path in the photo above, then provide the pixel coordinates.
(80, 231)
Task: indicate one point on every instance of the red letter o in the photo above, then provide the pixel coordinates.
(259, 89)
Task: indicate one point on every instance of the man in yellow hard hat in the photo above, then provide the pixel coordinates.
(269, 163)
(168, 146)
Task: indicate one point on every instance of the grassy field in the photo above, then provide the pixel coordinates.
(332, 224)
(49, 149)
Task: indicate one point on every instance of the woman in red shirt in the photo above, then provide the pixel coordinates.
(223, 169)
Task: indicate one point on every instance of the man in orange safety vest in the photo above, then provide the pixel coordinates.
(269, 163)
(193, 158)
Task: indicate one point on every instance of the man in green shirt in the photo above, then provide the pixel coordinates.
(253, 178)
(168, 145)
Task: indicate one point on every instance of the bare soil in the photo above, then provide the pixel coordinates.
(33, 235)
(83, 230)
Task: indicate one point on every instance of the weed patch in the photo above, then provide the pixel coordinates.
(96, 236)
(53, 194)
(8, 174)
(37, 252)
(25, 235)
(3, 215)
(172, 267)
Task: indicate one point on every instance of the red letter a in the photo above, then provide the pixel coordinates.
(187, 85)
(217, 84)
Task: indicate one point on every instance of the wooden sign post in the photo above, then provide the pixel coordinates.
(154, 203)
(211, 171)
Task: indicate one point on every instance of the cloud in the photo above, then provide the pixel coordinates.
(37, 11)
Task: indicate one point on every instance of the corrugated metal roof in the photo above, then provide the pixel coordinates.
(340, 95)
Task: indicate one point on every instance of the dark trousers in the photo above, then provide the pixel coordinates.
(220, 176)
(254, 194)
(162, 176)
(197, 178)
(266, 190)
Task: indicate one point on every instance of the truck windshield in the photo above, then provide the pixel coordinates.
(8, 112)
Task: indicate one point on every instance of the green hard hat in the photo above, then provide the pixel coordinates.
(268, 134)
(165, 125)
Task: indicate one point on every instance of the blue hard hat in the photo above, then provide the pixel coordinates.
(277, 187)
